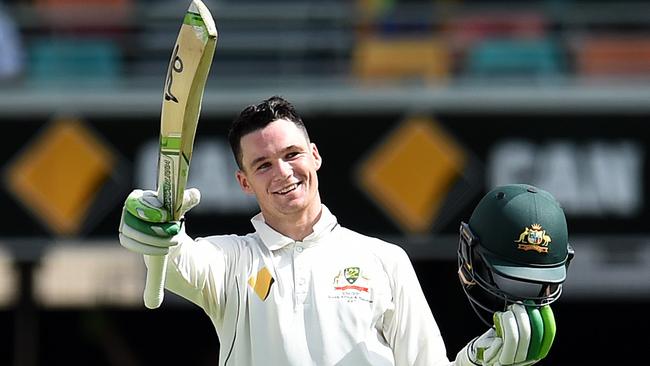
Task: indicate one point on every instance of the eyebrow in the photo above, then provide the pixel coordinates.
(262, 158)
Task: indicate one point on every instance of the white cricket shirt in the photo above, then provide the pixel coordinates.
(335, 298)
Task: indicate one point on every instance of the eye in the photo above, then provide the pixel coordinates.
(292, 155)
(263, 166)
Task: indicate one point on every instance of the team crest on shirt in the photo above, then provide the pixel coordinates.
(351, 284)
(534, 238)
(351, 274)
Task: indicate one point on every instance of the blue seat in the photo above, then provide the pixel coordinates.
(514, 58)
(74, 61)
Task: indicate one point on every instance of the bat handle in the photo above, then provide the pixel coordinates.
(154, 287)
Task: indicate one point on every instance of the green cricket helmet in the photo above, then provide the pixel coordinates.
(514, 249)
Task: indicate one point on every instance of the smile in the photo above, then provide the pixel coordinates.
(288, 189)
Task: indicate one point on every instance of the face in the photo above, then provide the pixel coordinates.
(279, 167)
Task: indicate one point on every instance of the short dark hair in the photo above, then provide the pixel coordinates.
(255, 117)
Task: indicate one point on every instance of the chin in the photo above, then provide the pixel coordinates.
(293, 207)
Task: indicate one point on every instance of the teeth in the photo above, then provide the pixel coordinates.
(288, 189)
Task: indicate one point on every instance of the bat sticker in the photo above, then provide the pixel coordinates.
(176, 66)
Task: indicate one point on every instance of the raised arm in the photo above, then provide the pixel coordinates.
(196, 267)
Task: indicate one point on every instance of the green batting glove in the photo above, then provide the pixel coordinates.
(521, 336)
(145, 226)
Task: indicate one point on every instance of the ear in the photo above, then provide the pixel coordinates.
(318, 160)
(244, 184)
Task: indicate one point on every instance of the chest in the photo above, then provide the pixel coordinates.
(329, 279)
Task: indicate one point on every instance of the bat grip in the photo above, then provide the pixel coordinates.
(154, 287)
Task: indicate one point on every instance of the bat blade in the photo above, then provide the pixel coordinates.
(182, 96)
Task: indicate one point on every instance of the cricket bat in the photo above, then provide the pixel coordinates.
(186, 77)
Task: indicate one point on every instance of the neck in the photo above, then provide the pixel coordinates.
(296, 226)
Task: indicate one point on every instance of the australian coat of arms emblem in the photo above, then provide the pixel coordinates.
(534, 238)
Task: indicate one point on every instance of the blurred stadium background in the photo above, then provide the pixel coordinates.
(418, 107)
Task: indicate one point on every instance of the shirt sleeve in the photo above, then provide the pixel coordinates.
(196, 271)
(409, 327)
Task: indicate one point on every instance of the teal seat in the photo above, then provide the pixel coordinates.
(74, 61)
(514, 58)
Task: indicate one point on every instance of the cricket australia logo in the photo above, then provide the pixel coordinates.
(350, 278)
(351, 285)
(534, 238)
(351, 274)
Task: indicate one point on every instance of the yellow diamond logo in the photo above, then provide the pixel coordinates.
(410, 174)
(59, 173)
(261, 283)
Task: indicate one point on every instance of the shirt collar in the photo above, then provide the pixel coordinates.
(275, 240)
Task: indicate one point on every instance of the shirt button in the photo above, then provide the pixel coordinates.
(301, 281)
(299, 249)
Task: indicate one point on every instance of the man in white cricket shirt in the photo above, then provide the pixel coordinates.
(301, 290)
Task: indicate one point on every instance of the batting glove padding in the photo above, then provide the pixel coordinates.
(522, 335)
(145, 227)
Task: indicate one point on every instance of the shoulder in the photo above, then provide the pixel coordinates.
(392, 260)
(230, 242)
(236, 250)
(385, 251)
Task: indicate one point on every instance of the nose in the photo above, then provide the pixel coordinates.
(283, 170)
